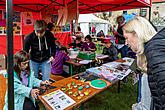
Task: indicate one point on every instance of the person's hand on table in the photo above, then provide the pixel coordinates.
(46, 82)
(34, 93)
(91, 49)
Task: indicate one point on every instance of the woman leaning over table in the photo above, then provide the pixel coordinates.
(24, 81)
(150, 49)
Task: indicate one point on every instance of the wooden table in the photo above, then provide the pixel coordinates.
(64, 82)
(71, 63)
(75, 62)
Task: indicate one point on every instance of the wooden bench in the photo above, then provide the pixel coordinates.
(2, 91)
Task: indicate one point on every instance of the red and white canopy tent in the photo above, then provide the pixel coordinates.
(52, 6)
(84, 6)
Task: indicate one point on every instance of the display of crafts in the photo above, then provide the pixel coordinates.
(111, 71)
(77, 90)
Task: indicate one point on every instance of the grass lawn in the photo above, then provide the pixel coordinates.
(110, 99)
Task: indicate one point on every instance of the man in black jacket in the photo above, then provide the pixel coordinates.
(41, 46)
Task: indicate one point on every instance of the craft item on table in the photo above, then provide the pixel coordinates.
(82, 80)
(63, 88)
(80, 88)
(69, 85)
(79, 92)
(86, 76)
(79, 97)
(98, 84)
(87, 92)
(79, 84)
(75, 94)
(41, 91)
(87, 86)
(70, 88)
(75, 86)
(70, 92)
(44, 88)
(73, 83)
(76, 77)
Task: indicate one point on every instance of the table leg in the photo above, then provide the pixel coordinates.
(81, 107)
(71, 69)
(118, 86)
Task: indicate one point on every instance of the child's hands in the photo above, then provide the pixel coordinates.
(34, 93)
(50, 59)
(46, 82)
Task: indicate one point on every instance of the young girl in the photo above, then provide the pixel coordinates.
(57, 65)
(24, 81)
(88, 45)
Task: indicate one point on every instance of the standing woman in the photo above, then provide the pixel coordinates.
(24, 81)
(150, 49)
(120, 40)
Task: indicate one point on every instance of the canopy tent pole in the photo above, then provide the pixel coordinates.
(9, 21)
(149, 13)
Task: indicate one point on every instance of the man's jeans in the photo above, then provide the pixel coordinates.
(45, 68)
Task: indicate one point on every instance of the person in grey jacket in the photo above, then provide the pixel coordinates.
(150, 50)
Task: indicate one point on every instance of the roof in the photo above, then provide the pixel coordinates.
(85, 6)
(90, 18)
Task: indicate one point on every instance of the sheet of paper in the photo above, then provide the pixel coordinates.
(58, 100)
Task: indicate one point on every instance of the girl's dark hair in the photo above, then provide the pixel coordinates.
(89, 37)
(50, 26)
(20, 56)
(63, 49)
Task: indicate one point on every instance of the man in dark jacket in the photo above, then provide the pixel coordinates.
(41, 46)
(155, 54)
(111, 51)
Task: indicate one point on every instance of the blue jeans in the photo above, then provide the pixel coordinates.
(45, 69)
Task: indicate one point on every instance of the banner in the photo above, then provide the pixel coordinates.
(62, 16)
(28, 18)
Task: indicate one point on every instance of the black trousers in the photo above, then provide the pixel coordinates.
(29, 105)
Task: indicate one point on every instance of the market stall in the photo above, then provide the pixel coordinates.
(48, 7)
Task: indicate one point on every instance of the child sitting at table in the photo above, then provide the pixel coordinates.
(77, 44)
(110, 50)
(24, 81)
(88, 45)
(57, 65)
